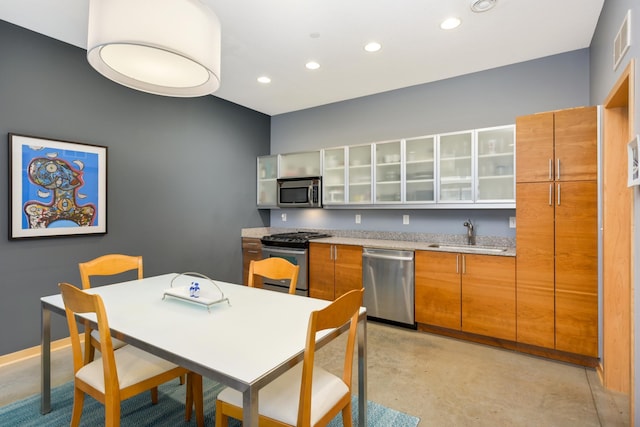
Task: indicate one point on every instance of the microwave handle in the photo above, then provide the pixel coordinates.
(310, 194)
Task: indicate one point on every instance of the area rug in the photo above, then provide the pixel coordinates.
(138, 411)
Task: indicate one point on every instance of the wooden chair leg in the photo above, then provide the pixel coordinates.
(78, 402)
(154, 395)
(194, 396)
(346, 416)
(222, 420)
(181, 379)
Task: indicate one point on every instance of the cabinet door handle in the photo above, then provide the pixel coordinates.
(252, 252)
(558, 170)
(558, 194)
(550, 169)
(331, 252)
(335, 253)
(464, 264)
(550, 194)
(457, 263)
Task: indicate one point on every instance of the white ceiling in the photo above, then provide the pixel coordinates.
(274, 38)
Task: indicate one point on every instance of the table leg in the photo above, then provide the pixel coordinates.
(45, 361)
(250, 407)
(362, 372)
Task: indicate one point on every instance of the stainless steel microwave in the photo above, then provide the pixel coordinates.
(299, 192)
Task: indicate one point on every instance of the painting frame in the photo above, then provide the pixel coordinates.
(632, 153)
(56, 188)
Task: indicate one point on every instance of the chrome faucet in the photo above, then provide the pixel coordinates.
(471, 237)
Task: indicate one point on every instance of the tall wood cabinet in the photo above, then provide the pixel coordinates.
(556, 234)
(469, 293)
(334, 270)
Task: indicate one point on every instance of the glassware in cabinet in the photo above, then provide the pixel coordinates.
(455, 179)
(420, 169)
(495, 168)
(388, 172)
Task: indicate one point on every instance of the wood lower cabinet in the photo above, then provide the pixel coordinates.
(471, 293)
(556, 234)
(251, 251)
(334, 270)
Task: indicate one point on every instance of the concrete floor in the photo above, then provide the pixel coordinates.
(444, 381)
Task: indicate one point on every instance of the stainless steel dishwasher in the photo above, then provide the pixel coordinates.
(388, 277)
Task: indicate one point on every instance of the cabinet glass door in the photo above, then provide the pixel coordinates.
(420, 169)
(267, 186)
(496, 148)
(296, 165)
(388, 172)
(360, 174)
(333, 178)
(455, 167)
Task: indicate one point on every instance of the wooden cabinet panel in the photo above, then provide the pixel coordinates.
(534, 147)
(576, 140)
(577, 322)
(251, 251)
(334, 270)
(489, 296)
(535, 264)
(437, 293)
(348, 268)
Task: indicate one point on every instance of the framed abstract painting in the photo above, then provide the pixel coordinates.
(56, 188)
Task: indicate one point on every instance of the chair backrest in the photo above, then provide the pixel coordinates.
(274, 268)
(76, 301)
(344, 309)
(107, 265)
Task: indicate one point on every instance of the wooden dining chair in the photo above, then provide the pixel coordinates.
(306, 395)
(274, 268)
(118, 374)
(106, 265)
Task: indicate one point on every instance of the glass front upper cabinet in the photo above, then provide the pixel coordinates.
(420, 169)
(296, 165)
(495, 169)
(334, 176)
(388, 157)
(360, 174)
(455, 167)
(267, 186)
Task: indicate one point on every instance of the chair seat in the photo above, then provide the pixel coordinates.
(280, 399)
(95, 334)
(133, 365)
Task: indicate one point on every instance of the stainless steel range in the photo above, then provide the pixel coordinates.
(294, 247)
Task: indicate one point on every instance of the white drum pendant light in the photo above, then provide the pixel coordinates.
(166, 47)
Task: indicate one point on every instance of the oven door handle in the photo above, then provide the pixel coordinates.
(282, 251)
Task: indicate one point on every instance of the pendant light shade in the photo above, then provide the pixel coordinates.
(166, 47)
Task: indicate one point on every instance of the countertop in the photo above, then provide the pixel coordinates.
(402, 241)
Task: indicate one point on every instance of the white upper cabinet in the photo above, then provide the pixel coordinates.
(360, 174)
(334, 176)
(455, 164)
(267, 185)
(495, 167)
(420, 169)
(388, 172)
(295, 165)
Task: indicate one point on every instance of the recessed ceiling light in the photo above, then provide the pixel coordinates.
(312, 65)
(264, 80)
(372, 47)
(482, 5)
(450, 23)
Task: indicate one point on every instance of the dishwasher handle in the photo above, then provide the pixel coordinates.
(384, 256)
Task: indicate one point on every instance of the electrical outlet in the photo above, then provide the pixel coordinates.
(512, 222)
(405, 219)
(358, 219)
(284, 217)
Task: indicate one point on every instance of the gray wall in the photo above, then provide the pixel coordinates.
(181, 175)
(489, 98)
(603, 77)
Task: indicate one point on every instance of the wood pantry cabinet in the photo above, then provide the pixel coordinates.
(469, 293)
(334, 270)
(251, 251)
(556, 234)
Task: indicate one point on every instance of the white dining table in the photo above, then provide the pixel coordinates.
(244, 343)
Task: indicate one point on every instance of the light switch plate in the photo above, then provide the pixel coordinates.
(405, 219)
(284, 217)
(358, 218)
(512, 222)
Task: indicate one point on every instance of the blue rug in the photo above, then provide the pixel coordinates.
(138, 411)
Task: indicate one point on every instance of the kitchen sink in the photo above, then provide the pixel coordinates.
(468, 248)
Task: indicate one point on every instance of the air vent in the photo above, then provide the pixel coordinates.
(622, 41)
